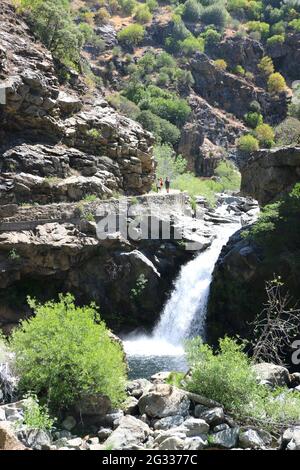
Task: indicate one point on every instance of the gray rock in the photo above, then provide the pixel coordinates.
(69, 423)
(199, 410)
(104, 434)
(276, 375)
(250, 439)
(291, 438)
(172, 443)
(130, 432)
(221, 427)
(75, 443)
(195, 427)
(213, 416)
(160, 377)
(168, 422)
(164, 400)
(2, 415)
(36, 439)
(195, 443)
(94, 405)
(131, 406)
(226, 439)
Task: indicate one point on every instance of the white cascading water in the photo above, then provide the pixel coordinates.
(184, 313)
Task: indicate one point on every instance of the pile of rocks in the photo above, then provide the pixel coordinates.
(156, 415)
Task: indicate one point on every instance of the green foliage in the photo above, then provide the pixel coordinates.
(253, 119)
(93, 133)
(127, 6)
(36, 416)
(248, 144)
(139, 288)
(229, 179)
(191, 45)
(163, 130)
(123, 105)
(227, 377)
(220, 64)
(131, 35)
(142, 14)
(211, 37)
(276, 83)
(259, 26)
(152, 5)
(65, 353)
(265, 135)
(266, 66)
(14, 255)
(216, 15)
(276, 40)
(53, 24)
(288, 132)
(192, 10)
(168, 163)
(239, 70)
(295, 24)
(278, 28)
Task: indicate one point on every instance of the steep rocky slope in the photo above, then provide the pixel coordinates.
(257, 254)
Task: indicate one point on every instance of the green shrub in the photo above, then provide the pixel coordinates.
(225, 377)
(162, 129)
(143, 14)
(220, 64)
(165, 60)
(216, 15)
(127, 6)
(278, 28)
(276, 83)
(265, 135)
(36, 416)
(295, 24)
(192, 10)
(253, 119)
(53, 24)
(288, 132)
(123, 105)
(247, 143)
(266, 66)
(211, 37)
(65, 353)
(173, 109)
(276, 40)
(260, 27)
(131, 35)
(239, 70)
(152, 5)
(191, 45)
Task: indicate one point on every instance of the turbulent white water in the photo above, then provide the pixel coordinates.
(185, 312)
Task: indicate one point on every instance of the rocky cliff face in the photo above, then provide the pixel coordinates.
(271, 173)
(90, 146)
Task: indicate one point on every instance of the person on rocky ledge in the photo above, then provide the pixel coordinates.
(167, 184)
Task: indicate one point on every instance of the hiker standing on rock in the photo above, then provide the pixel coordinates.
(161, 183)
(167, 184)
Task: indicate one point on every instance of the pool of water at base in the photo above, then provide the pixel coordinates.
(146, 366)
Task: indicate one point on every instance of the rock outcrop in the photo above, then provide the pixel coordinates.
(232, 93)
(269, 174)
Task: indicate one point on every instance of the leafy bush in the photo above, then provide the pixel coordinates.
(165, 60)
(266, 66)
(168, 164)
(53, 24)
(265, 135)
(143, 14)
(239, 70)
(131, 35)
(295, 24)
(127, 6)
(191, 45)
(173, 109)
(278, 28)
(36, 416)
(211, 37)
(162, 129)
(288, 132)
(253, 119)
(276, 83)
(65, 352)
(260, 27)
(152, 5)
(123, 105)
(247, 143)
(192, 10)
(276, 40)
(220, 64)
(225, 377)
(216, 15)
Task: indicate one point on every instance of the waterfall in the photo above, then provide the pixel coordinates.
(184, 313)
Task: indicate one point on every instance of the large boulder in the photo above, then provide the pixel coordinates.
(8, 440)
(269, 174)
(164, 400)
(272, 373)
(130, 432)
